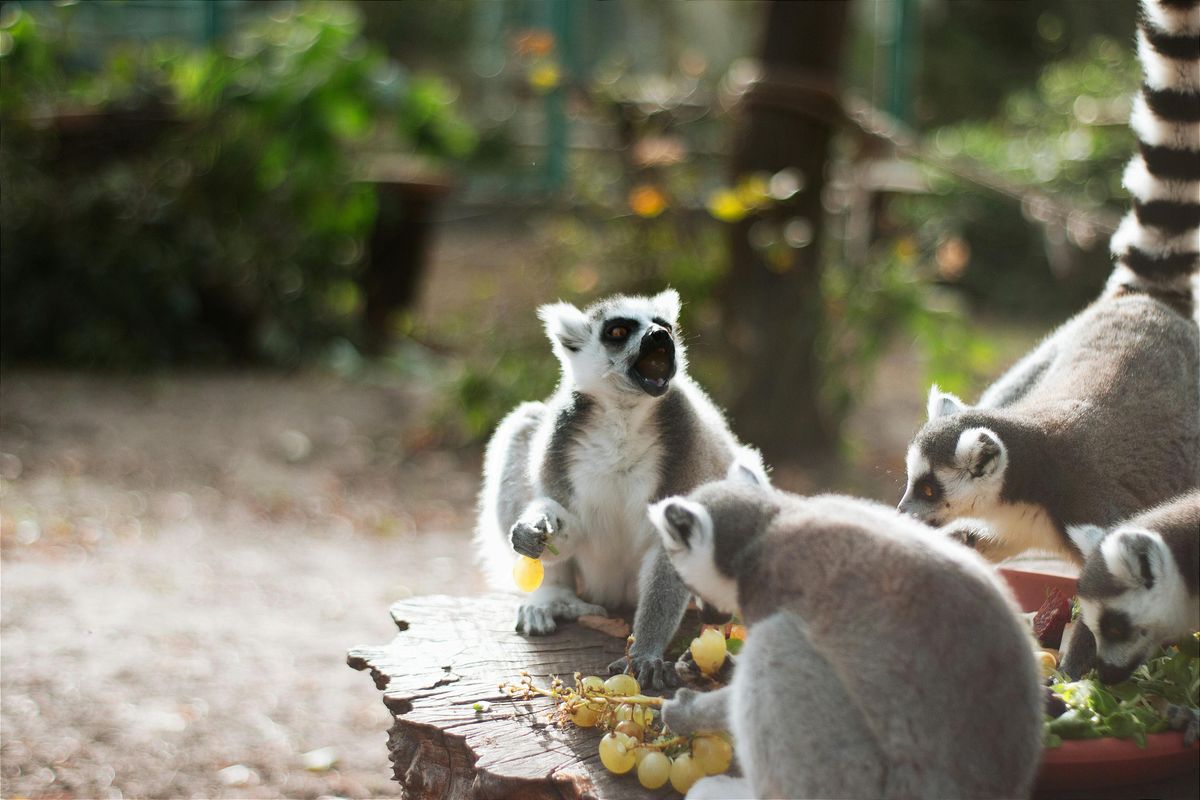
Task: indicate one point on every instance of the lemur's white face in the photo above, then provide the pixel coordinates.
(624, 345)
(1123, 595)
(687, 534)
(955, 468)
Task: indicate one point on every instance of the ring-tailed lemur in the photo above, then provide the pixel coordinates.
(1140, 583)
(878, 662)
(625, 427)
(1102, 420)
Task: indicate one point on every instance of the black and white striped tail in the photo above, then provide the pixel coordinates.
(1157, 246)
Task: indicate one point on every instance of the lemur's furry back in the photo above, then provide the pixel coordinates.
(1102, 419)
(1157, 246)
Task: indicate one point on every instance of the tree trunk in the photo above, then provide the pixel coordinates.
(772, 307)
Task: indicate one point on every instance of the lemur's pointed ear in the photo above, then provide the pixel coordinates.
(1086, 537)
(942, 404)
(980, 452)
(678, 522)
(1134, 557)
(747, 469)
(566, 325)
(667, 304)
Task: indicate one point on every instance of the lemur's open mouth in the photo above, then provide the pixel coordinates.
(655, 365)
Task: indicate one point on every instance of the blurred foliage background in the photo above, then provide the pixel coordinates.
(199, 183)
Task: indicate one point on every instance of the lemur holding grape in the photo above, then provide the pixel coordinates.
(879, 661)
(625, 427)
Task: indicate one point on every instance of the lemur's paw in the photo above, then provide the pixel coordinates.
(528, 536)
(535, 620)
(965, 533)
(677, 712)
(688, 672)
(651, 673)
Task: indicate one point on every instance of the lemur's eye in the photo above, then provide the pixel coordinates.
(617, 332)
(927, 491)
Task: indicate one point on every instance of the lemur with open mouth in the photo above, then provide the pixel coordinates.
(625, 427)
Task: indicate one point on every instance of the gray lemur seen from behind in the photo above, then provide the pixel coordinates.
(1140, 583)
(879, 662)
(1102, 420)
(625, 427)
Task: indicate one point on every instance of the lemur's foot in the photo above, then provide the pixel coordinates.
(528, 536)
(537, 617)
(651, 673)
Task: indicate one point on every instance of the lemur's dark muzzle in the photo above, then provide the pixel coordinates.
(655, 365)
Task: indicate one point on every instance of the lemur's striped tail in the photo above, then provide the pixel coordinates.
(1157, 246)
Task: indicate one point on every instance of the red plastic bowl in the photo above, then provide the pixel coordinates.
(1081, 764)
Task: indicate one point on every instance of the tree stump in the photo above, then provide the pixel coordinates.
(454, 652)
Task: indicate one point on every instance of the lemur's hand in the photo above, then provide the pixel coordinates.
(528, 536)
(688, 672)
(651, 673)
(964, 532)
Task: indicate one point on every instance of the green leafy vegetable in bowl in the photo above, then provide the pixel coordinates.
(1149, 702)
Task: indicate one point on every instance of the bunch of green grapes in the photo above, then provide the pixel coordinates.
(635, 737)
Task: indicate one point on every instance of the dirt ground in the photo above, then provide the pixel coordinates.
(186, 561)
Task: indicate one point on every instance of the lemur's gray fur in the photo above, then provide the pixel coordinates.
(1140, 583)
(1102, 420)
(625, 427)
(879, 662)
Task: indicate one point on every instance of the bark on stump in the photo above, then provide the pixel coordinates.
(453, 652)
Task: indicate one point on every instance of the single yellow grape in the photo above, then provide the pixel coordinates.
(1046, 662)
(634, 712)
(592, 685)
(712, 753)
(584, 715)
(616, 752)
(654, 769)
(528, 573)
(622, 685)
(630, 729)
(684, 772)
(708, 650)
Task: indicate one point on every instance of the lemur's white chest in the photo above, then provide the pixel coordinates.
(614, 472)
(1026, 526)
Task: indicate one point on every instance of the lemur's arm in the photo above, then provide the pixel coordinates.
(662, 600)
(689, 711)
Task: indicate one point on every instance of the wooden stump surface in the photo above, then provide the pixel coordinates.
(453, 652)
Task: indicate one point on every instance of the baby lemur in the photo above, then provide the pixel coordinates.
(879, 662)
(625, 427)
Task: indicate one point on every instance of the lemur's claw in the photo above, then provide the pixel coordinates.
(651, 673)
(535, 620)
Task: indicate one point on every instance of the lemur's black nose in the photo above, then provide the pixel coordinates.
(659, 335)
